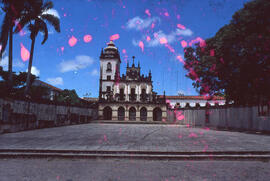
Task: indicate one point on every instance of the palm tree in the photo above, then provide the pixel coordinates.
(12, 10)
(35, 18)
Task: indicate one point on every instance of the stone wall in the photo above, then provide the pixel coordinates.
(226, 117)
(18, 115)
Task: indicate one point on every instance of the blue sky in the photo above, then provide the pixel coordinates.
(151, 30)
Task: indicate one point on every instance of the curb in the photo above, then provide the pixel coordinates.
(145, 155)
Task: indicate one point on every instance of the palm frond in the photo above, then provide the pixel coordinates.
(53, 20)
(4, 33)
(42, 27)
(22, 22)
(47, 5)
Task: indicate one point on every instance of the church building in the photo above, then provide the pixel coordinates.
(130, 96)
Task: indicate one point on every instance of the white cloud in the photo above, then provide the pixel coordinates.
(16, 63)
(56, 81)
(34, 71)
(138, 23)
(80, 62)
(94, 72)
(170, 38)
(52, 12)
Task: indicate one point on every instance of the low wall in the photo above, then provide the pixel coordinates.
(227, 117)
(18, 115)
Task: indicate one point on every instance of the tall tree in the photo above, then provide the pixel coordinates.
(12, 10)
(236, 61)
(36, 17)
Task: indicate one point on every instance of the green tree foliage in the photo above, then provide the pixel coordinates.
(17, 88)
(236, 61)
(68, 97)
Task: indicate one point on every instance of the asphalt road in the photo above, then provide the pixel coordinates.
(131, 170)
(134, 137)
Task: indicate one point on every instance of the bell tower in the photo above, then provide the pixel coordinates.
(109, 66)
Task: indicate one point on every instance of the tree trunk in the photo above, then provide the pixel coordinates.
(10, 81)
(29, 67)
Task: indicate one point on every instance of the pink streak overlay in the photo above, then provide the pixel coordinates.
(114, 37)
(87, 38)
(24, 53)
(181, 26)
(141, 45)
(184, 43)
(147, 12)
(72, 41)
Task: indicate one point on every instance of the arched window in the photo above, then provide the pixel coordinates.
(121, 113)
(157, 114)
(107, 113)
(132, 114)
(143, 114)
(109, 66)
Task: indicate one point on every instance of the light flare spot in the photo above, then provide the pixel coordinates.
(166, 14)
(181, 26)
(179, 57)
(141, 45)
(184, 43)
(72, 41)
(192, 135)
(62, 49)
(198, 40)
(163, 40)
(25, 55)
(124, 51)
(147, 12)
(115, 37)
(148, 38)
(153, 25)
(87, 38)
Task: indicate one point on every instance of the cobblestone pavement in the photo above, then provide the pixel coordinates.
(131, 170)
(134, 137)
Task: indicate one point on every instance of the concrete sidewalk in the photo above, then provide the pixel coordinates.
(125, 137)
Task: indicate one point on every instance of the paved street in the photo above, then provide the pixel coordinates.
(134, 137)
(131, 170)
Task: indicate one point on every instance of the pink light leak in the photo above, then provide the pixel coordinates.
(24, 53)
(178, 16)
(141, 45)
(147, 12)
(124, 51)
(212, 52)
(114, 37)
(87, 38)
(198, 40)
(166, 14)
(184, 43)
(170, 48)
(192, 135)
(179, 115)
(105, 138)
(163, 40)
(179, 57)
(148, 38)
(181, 26)
(62, 49)
(153, 25)
(72, 41)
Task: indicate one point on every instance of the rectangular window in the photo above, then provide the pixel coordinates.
(108, 88)
(108, 77)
